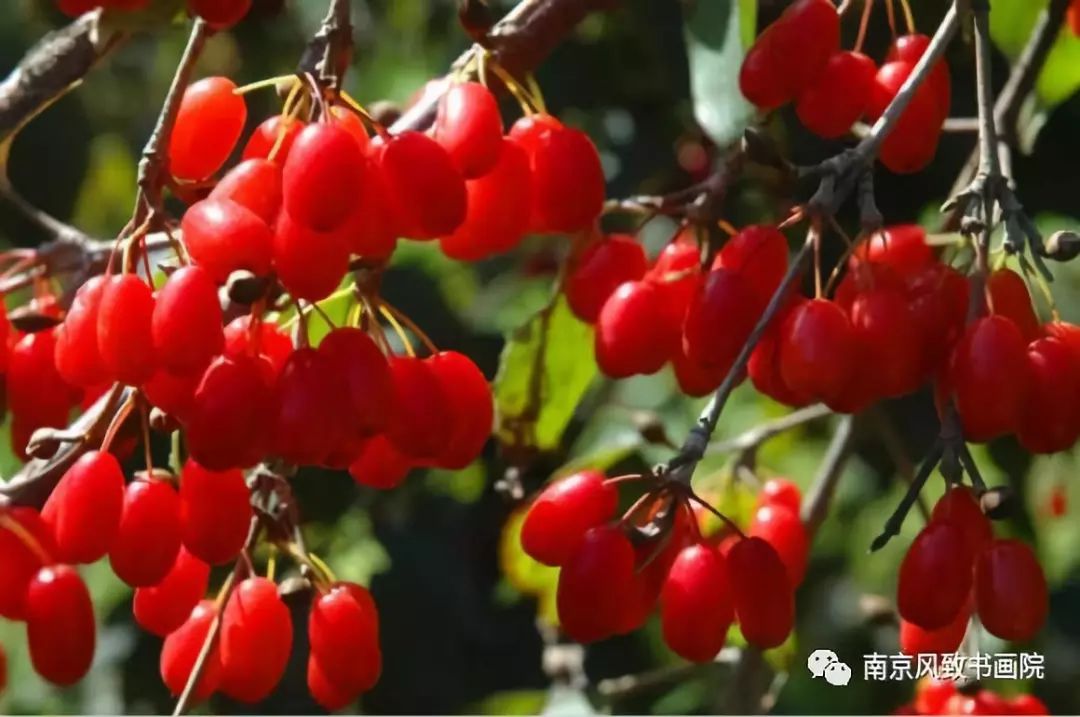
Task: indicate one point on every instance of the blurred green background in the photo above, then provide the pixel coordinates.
(463, 629)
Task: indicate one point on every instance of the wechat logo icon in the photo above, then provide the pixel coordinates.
(825, 663)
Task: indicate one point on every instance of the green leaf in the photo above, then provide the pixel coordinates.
(717, 34)
(524, 574)
(545, 369)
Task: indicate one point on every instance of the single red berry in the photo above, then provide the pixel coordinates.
(959, 506)
(633, 335)
(759, 254)
(902, 248)
(256, 638)
(724, 299)
(693, 378)
(343, 631)
(309, 263)
(600, 269)
(245, 336)
(78, 360)
(988, 375)
(371, 230)
(208, 125)
(215, 512)
(468, 126)
(931, 695)
(1009, 297)
(890, 342)
(837, 97)
(420, 407)
(1030, 704)
(817, 350)
(763, 367)
(472, 408)
(254, 184)
(424, 187)
(36, 393)
(221, 14)
(124, 332)
(74, 8)
(223, 236)
(59, 625)
(914, 640)
(148, 539)
(349, 120)
(1050, 420)
(935, 576)
(267, 135)
(497, 209)
(326, 693)
(567, 177)
(21, 558)
(696, 606)
(232, 410)
(159, 609)
(181, 650)
(938, 297)
(561, 515)
(913, 141)
(307, 418)
(360, 370)
(594, 584)
(781, 528)
(764, 601)
(781, 492)
(83, 512)
(187, 321)
(380, 464)
(910, 48)
(1010, 591)
(322, 175)
(171, 393)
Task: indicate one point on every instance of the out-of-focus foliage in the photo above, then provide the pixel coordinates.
(459, 602)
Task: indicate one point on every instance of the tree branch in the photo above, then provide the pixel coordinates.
(816, 504)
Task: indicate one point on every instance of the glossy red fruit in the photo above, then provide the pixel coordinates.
(764, 601)
(497, 208)
(781, 528)
(380, 464)
(343, 631)
(763, 367)
(695, 379)
(125, 338)
(817, 350)
(263, 140)
(231, 413)
(1050, 420)
(759, 255)
(633, 335)
(914, 640)
(424, 187)
(371, 230)
(561, 515)
(472, 408)
(223, 236)
(1030, 704)
(1009, 297)
(568, 180)
(913, 142)
(362, 371)
(83, 512)
(902, 248)
(988, 374)
(600, 269)
(417, 425)
(148, 539)
(696, 606)
(959, 507)
(309, 263)
(321, 176)
(22, 558)
(935, 576)
(931, 695)
(890, 343)
(159, 609)
(208, 125)
(469, 127)
(594, 584)
(215, 512)
(938, 298)
(327, 694)
(781, 492)
(74, 8)
(309, 409)
(187, 321)
(181, 650)
(247, 337)
(171, 393)
(910, 48)
(78, 360)
(254, 184)
(1010, 591)
(221, 14)
(725, 299)
(838, 96)
(59, 625)
(256, 638)
(791, 53)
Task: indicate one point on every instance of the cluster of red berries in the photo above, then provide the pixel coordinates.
(611, 579)
(798, 58)
(945, 697)
(220, 14)
(955, 566)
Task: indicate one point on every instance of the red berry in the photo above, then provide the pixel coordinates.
(890, 342)
(759, 254)
(245, 336)
(231, 413)
(363, 373)
(221, 14)
(568, 180)
(1009, 297)
(594, 584)
(326, 693)
(208, 125)
(161, 608)
(633, 334)
(988, 374)
(187, 321)
(322, 175)
(764, 602)
(1010, 591)
(469, 127)
(782, 529)
(471, 407)
(913, 141)
(417, 426)
(425, 188)
(561, 515)
(371, 229)
(74, 8)
(308, 416)
(380, 464)
(254, 184)
(497, 212)
(724, 299)
(1050, 420)
(215, 513)
(938, 298)
(346, 118)
(59, 625)
(125, 337)
(256, 638)
(1030, 704)
(21, 559)
(696, 607)
(915, 641)
(902, 248)
(84, 510)
(36, 393)
(910, 48)
(171, 393)
(837, 98)
(181, 650)
(78, 360)
(695, 379)
(935, 576)
(932, 694)
(223, 236)
(343, 631)
(600, 269)
(266, 135)
(148, 539)
(959, 507)
(817, 350)
(309, 263)
(781, 492)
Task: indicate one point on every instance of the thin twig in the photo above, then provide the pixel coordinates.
(896, 520)
(761, 433)
(816, 504)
